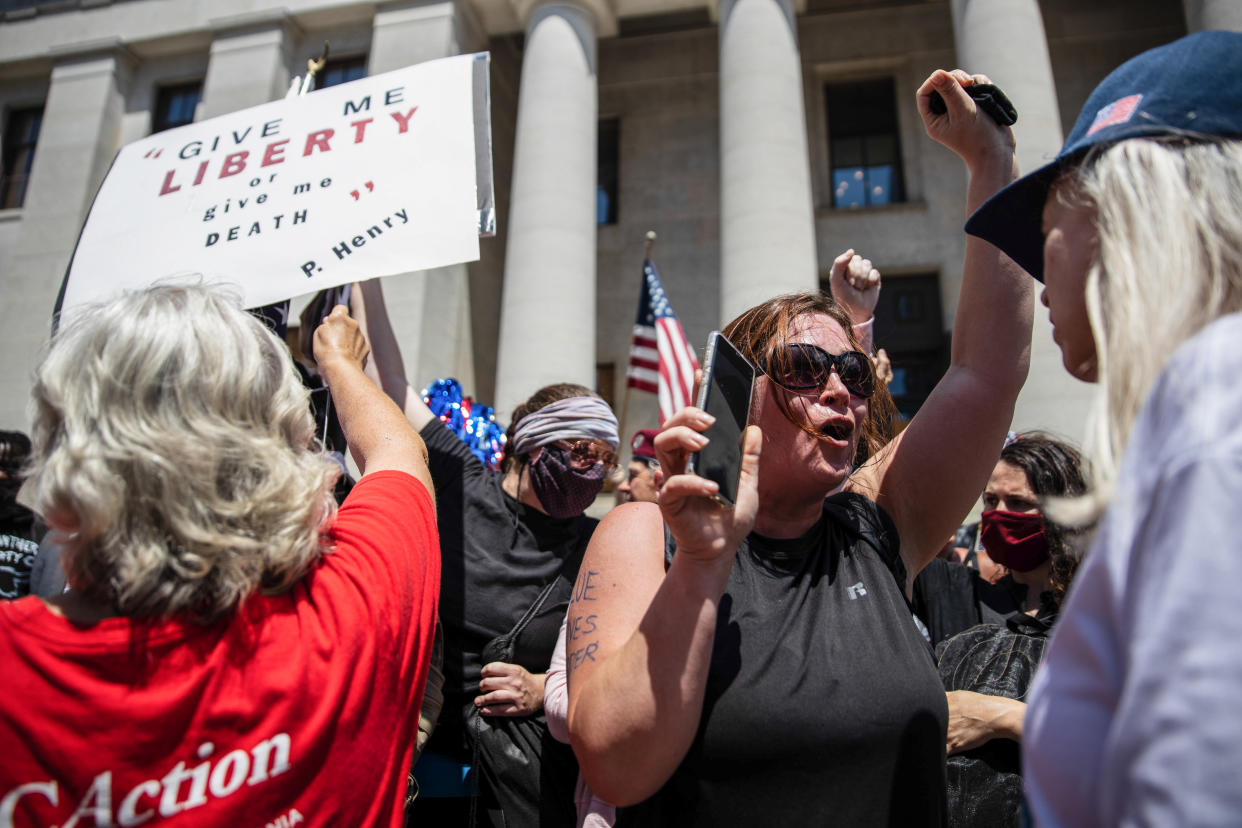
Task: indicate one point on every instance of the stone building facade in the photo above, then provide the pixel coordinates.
(758, 138)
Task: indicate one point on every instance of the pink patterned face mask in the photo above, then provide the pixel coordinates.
(563, 490)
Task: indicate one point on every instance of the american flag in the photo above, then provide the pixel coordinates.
(1117, 112)
(661, 360)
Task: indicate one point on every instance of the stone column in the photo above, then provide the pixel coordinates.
(547, 322)
(1202, 15)
(1004, 39)
(430, 309)
(767, 221)
(78, 139)
(249, 63)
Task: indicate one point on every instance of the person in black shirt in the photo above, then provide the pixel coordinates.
(511, 542)
(773, 674)
(18, 530)
(988, 668)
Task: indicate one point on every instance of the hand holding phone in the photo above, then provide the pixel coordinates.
(989, 98)
(728, 382)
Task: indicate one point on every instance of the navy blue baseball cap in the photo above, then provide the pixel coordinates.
(1192, 85)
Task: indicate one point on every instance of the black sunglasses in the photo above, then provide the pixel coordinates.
(807, 367)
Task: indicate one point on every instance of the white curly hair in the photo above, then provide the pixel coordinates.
(174, 451)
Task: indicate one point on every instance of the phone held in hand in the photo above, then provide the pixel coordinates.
(989, 98)
(728, 381)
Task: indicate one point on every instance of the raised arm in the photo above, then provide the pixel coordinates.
(855, 286)
(387, 368)
(378, 434)
(930, 475)
(639, 639)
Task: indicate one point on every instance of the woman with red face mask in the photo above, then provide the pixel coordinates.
(987, 669)
(949, 597)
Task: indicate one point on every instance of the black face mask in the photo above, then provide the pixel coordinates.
(563, 490)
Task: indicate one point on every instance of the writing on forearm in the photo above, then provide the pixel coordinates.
(584, 586)
(583, 624)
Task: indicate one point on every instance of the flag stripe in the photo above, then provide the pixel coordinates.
(646, 355)
(650, 376)
(661, 360)
(673, 367)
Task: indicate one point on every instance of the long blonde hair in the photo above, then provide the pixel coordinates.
(1169, 263)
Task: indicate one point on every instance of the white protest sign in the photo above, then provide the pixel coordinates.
(369, 178)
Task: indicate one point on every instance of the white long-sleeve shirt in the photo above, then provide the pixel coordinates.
(1135, 717)
(593, 812)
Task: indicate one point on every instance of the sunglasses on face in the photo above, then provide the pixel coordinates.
(806, 368)
(584, 454)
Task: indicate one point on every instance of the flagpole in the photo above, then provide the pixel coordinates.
(625, 396)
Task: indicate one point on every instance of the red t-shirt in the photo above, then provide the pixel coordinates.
(300, 708)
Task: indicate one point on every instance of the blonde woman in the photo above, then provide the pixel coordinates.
(233, 650)
(1136, 231)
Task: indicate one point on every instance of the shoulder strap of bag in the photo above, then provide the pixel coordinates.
(530, 613)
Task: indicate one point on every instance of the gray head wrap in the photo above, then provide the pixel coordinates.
(576, 418)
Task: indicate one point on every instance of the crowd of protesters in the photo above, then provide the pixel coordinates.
(220, 626)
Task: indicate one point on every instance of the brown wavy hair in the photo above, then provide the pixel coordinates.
(762, 334)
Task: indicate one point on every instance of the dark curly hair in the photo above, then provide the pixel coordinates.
(1053, 469)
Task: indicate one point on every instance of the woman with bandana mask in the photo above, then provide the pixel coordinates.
(988, 668)
(504, 537)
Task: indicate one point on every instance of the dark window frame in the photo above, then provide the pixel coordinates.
(908, 326)
(608, 172)
(864, 143)
(168, 96)
(340, 70)
(18, 154)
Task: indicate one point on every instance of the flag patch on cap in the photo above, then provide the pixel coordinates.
(1117, 112)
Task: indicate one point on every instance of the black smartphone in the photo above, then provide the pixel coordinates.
(728, 380)
(990, 99)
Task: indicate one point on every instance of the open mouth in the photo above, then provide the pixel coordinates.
(838, 430)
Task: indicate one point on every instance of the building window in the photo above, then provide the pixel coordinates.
(21, 134)
(175, 105)
(341, 70)
(607, 171)
(864, 150)
(908, 327)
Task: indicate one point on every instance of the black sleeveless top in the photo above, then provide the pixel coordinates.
(823, 705)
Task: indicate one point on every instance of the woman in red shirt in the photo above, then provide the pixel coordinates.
(232, 649)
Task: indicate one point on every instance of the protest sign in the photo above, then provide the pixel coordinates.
(384, 175)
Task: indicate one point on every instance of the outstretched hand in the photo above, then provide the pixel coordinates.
(855, 285)
(340, 337)
(964, 127)
(703, 527)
